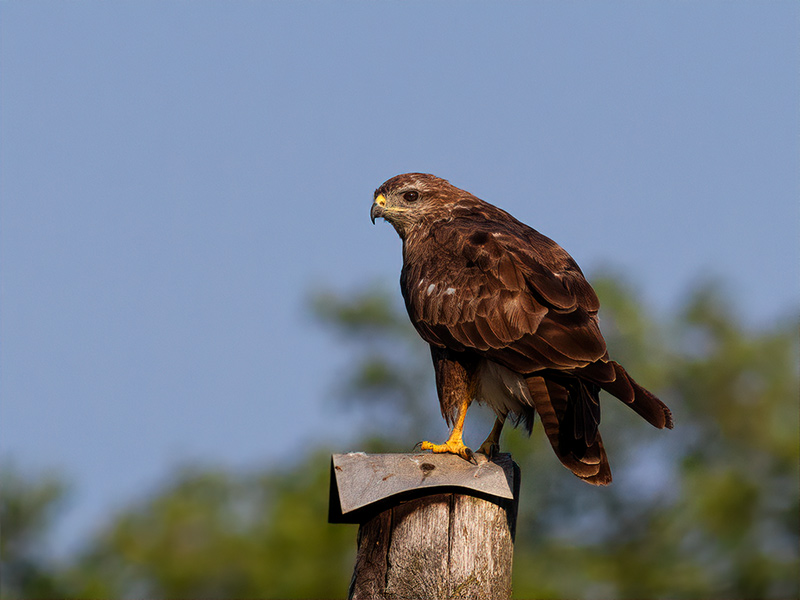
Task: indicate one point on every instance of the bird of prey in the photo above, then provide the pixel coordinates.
(510, 320)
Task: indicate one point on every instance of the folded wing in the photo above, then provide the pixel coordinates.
(491, 284)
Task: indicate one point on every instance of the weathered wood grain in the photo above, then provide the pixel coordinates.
(369, 574)
(448, 545)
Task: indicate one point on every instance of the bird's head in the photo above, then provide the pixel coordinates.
(407, 200)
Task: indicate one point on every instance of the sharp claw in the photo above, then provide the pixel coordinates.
(489, 451)
(449, 447)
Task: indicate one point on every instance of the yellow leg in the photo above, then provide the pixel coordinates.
(491, 446)
(455, 443)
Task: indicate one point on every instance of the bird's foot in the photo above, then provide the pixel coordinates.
(491, 445)
(450, 447)
(489, 449)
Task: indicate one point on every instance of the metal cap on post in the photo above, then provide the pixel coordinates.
(360, 481)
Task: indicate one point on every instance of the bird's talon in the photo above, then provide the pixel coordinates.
(489, 450)
(449, 447)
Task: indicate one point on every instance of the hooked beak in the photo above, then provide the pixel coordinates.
(377, 208)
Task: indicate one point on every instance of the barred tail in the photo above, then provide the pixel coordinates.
(570, 412)
(610, 376)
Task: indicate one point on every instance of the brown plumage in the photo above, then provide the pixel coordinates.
(510, 319)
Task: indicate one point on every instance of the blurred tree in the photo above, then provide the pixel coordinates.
(214, 534)
(27, 508)
(708, 510)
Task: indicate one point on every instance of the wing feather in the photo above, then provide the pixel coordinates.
(497, 286)
(484, 327)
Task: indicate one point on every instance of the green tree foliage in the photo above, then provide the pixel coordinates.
(708, 510)
(27, 508)
(206, 534)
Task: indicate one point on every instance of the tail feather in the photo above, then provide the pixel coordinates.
(568, 404)
(570, 413)
(610, 376)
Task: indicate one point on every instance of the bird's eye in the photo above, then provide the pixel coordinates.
(411, 196)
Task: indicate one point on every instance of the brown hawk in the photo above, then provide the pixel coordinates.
(511, 322)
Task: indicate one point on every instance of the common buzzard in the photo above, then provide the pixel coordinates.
(511, 322)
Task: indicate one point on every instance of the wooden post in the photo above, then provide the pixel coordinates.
(431, 526)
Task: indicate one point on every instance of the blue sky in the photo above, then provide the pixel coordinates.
(178, 177)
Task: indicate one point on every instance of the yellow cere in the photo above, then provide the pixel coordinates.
(380, 200)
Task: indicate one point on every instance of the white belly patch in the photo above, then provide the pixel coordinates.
(502, 389)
